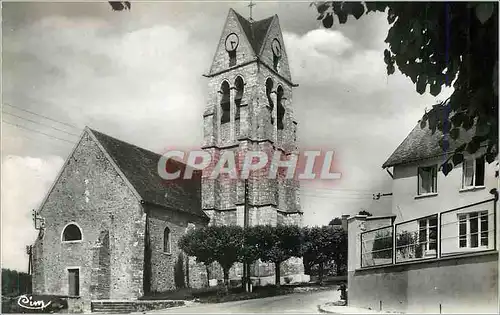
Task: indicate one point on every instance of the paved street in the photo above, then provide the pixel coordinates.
(294, 303)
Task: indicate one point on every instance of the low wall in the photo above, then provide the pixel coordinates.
(466, 284)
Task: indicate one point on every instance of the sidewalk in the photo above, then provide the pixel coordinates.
(330, 307)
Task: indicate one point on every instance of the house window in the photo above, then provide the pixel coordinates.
(166, 241)
(473, 229)
(473, 173)
(71, 233)
(427, 235)
(427, 179)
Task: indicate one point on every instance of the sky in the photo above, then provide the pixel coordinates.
(137, 75)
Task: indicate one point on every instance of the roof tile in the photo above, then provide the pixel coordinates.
(140, 167)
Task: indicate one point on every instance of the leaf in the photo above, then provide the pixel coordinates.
(468, 122)
(446, 168)
(390, 69)
(482, 128)
(484, 11)
(320, 17)
(357, 9)
(322, 7)
(391, 16)
(117, 5)
(458, 118)
(490, 157)
(435, 89)
(473, 146)
(461, 148)
(342, 16)
(454, 133)
(457, 158)
(421, 83)
(387, 57)
(328, 21)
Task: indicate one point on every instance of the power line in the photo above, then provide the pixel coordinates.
(36, 122)
(339, 193)
(36, 131)
(38, 143)
(341, 189)
(33, 113)
(338, 197)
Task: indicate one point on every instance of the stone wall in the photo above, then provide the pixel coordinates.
(165, 266)
(456, 285)
(93, 195)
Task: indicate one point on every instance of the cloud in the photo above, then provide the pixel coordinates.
(323, 56)
(108, 80)
(25, 181)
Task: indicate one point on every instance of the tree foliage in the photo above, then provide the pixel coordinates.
(15, 283)
(364, 212)
(221, 244)
(277, 244)
(323, 245)
(439, 44)
(335, 221)
(120, 5)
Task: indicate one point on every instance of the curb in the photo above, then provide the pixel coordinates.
(322, 310)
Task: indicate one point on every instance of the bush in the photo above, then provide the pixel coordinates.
(288, 280)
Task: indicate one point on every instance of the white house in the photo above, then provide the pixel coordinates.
(438, 250)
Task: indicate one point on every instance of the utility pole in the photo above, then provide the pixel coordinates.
(29, 252)
(246, 266)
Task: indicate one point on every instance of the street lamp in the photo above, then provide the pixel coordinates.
(38, 221)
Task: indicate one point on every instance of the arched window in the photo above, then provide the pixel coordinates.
(281, 108)
(232, 58)
(269, 88)
(166, 240)
(224, 104)
(71, 233)
(238, 83)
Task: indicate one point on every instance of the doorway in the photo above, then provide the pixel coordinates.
(74, 282)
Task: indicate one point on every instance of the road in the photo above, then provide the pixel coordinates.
(306, 302)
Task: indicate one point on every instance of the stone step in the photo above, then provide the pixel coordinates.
(113, 307)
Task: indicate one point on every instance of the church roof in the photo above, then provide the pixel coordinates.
(140, 167)
(255, 31)
(422, 144)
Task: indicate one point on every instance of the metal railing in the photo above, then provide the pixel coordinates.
(377, 247)
(458, 231)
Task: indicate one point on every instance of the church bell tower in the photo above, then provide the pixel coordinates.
(249, 108)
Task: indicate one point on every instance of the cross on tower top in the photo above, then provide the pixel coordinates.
(250, 6)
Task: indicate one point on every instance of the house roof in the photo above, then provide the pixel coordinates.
(140, 167)
(421, 144)
(255, 31)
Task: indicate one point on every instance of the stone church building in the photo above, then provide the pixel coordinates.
(111, 224)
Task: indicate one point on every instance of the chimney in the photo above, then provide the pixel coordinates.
(344, 221)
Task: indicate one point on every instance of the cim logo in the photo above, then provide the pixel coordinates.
(28, 302)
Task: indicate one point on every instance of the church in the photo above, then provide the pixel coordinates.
(110, 222)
